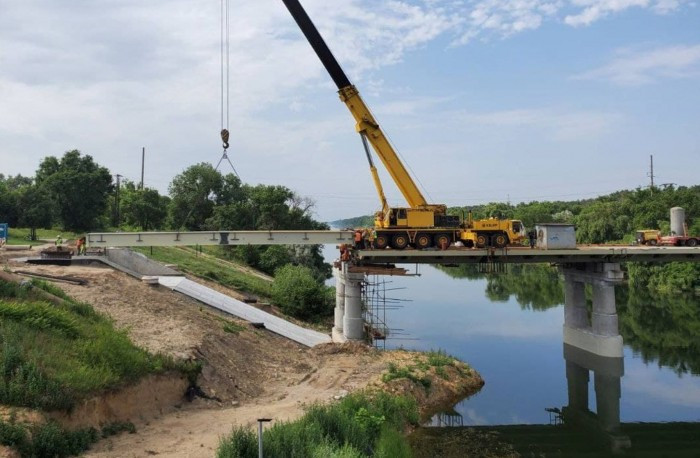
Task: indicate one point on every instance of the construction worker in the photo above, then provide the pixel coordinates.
(359, 242)
(59, 240)
(371, 235)
(532, 236)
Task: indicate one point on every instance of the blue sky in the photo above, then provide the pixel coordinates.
(486, 100)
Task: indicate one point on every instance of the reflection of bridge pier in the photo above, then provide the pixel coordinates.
(599, 334)
(607, 372)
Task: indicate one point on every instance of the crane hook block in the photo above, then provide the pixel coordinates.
(224, 137)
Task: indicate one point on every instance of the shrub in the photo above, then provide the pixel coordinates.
(297, 293)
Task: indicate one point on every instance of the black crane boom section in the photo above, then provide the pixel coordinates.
(316, 41)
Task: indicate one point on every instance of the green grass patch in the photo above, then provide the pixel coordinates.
(20, 236)
(406, 372)
(440, 358)
(53, 355)
(46, 440)
(360, 425)
(216, 270)
(230, 326)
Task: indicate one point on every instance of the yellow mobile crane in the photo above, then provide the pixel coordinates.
(421, 225)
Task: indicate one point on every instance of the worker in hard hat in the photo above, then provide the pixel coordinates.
(59, 240)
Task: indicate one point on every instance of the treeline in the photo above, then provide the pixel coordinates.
(76, 193)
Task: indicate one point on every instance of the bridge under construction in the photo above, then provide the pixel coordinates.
(594, 265)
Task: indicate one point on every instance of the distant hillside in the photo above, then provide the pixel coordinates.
(358, 221)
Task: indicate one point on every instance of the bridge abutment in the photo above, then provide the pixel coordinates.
(349, 324)
(598, 334)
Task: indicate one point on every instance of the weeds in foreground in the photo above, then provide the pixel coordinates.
(361, 424)
(46, 440)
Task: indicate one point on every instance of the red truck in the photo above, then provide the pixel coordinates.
(679, 240)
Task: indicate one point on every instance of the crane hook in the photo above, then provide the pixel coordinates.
(224, 137)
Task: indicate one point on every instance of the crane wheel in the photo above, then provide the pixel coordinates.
(499, 240)
(443, 241)
(381, 242)
(423, 241)
(691, 242)
(482, 240)
(399, 241)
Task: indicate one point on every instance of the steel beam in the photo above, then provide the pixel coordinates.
(128, 239)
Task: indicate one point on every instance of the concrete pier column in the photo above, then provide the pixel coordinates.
(353, 324)
(339, 301)
(604, 317)
(575, 313)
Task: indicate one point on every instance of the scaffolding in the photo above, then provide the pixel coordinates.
(375, 304)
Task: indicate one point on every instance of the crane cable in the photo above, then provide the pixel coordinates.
(225, 71)
(225, 79)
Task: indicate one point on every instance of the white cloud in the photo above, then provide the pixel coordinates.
(643, 67)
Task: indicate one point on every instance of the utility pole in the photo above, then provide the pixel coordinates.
(116, 202)
(143, 160)
(651, 172)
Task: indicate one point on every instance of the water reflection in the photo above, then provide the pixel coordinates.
(602, 426)
(662, 328)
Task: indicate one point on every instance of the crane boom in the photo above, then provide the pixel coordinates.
(366, 124)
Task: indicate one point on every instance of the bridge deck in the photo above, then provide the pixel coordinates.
(522, 255)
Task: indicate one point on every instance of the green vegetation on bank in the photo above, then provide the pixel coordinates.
(55, 352)
(53, 355)
(360, 425)
(295, 289)
(210, 268)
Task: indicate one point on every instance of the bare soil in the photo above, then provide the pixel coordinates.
(248, 373)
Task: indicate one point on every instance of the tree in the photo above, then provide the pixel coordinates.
(143, 208)
(79, 187)
(36, 209)
(195, 192)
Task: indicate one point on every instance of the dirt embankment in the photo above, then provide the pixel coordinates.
(248, 373)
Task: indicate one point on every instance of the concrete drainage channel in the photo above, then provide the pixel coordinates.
(143, 268)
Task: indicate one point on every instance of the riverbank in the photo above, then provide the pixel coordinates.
(246, 372)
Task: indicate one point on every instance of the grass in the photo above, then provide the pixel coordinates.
(53, 355)
(361, 424)
(46, 440)
(407, 372)
(19, 236)
(210, 268)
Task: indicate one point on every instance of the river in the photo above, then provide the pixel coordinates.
(509, 328)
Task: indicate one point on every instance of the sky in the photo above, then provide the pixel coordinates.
(485, 100)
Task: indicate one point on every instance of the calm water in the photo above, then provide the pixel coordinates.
(509, 328)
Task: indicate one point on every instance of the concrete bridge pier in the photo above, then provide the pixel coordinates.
(598, 334)
(348, 324)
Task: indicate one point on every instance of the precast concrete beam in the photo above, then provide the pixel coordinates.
(130, 239)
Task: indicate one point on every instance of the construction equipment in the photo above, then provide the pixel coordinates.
(421, 224)
(648, 237)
